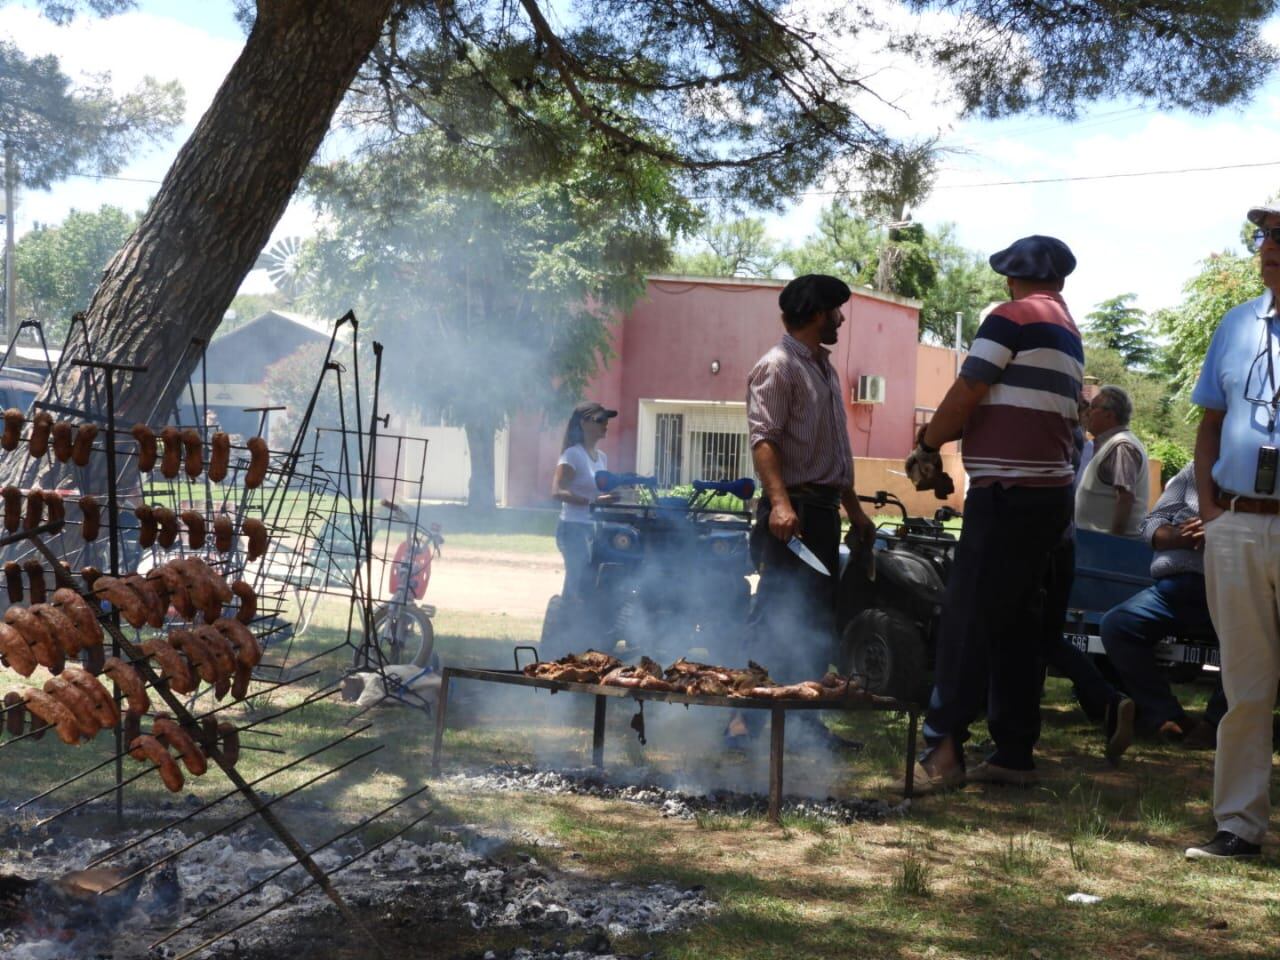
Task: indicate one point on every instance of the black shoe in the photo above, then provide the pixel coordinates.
(1225, 845)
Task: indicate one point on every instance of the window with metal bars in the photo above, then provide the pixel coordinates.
(719, 456)
(668, 453)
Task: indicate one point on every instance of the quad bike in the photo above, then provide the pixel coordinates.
(890, 607)
(668, 572)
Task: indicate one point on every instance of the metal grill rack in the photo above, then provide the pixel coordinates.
(297, 492)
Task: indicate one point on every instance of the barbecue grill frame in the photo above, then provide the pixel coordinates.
(778, 710)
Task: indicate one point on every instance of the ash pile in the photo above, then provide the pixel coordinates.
(668, 801)
(50, 910)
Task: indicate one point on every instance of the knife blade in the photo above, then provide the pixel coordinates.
(796, 546)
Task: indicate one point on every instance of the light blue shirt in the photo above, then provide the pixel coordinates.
(1236, 361)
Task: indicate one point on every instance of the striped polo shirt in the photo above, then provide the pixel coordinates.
(1029, 352)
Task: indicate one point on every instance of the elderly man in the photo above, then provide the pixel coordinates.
(1115, 478)
(1174, 605)
(1236, 466)
(1014, 404)
(800, 448)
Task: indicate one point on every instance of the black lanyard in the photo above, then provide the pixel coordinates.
(1274, 404)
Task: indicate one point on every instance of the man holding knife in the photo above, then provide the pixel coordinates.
(800, 448)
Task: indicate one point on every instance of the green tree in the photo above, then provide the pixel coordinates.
(1118, 325)
(964, 284)
(731, 248)
(1224, 281)
(505, 289)
(843, 245)
(742, 96)
(50, 128)
(59, 267)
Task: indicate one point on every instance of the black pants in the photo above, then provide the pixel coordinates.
(792, 626)
(1093, 691)
(990, 639)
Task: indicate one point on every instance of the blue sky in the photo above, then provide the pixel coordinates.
(1142, 234)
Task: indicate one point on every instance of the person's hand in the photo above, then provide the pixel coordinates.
(923, 467)
(862, 532)
(783, 522)
(1192, 533)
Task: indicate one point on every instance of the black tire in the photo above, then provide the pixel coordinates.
(405, 638)
(888, 652)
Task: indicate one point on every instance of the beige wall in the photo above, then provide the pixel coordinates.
(872, 474)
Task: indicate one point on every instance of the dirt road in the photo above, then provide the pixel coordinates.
(518, 584)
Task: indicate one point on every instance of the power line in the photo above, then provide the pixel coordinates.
(104, 176)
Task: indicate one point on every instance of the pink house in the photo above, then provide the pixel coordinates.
(678, 382)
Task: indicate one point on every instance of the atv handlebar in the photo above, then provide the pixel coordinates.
(607, 481)
(744, 488)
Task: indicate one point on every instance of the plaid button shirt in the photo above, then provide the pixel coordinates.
(795, 402)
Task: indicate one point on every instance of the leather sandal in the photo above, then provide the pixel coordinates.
(924, 783)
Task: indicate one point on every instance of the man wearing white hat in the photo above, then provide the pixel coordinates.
(1237, 449)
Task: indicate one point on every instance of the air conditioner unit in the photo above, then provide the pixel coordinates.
(870, 390)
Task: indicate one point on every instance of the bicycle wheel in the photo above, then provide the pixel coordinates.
(404, 635)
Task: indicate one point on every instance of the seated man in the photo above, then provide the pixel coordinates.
(1175, 604)
(1112, 491)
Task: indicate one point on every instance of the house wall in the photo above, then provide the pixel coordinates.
(667, 343)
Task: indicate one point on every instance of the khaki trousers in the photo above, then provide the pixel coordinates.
(1242, 581)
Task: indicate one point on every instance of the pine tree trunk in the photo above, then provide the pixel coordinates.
(175, 277)
(480, 488)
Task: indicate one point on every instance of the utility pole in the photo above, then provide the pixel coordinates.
(959, 338)
(10, 288)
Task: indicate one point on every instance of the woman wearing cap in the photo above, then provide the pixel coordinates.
(574, 486)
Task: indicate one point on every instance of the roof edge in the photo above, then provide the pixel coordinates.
(862, 291)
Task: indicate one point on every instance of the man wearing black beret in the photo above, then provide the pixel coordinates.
(800, 448)
(1015, 405)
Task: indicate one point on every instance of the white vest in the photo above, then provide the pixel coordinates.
(1096, 501)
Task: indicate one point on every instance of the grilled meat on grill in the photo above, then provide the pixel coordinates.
(589, 667)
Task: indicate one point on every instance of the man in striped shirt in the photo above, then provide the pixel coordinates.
(1015, 405)
(800, 449)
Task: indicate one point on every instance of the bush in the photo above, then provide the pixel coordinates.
(1172, 455)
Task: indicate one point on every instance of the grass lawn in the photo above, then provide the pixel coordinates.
(981, 873)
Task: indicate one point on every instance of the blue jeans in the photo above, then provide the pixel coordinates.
(990, 644)
(1173, 605)
(574, 540)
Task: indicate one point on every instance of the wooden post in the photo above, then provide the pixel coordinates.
(597, 734)
(909, 781)
(777, 736)
(442, 708)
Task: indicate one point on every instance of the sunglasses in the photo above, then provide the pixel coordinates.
(1260, 236)
(598, 419)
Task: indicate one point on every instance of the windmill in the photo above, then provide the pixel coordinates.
(283, 262)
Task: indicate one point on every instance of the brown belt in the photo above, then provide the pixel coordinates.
(1246, 504)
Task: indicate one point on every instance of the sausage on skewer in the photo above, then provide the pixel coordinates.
(83, 445)
(219, 457)
(41, 426)
(90, 518)
(146, 440)
(61, 436)
(13, 420)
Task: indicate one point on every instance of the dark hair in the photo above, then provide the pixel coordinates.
(573, 431)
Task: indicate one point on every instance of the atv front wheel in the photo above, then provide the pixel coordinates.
(887, 651)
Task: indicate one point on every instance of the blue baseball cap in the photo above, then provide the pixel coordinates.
(1034, 258)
